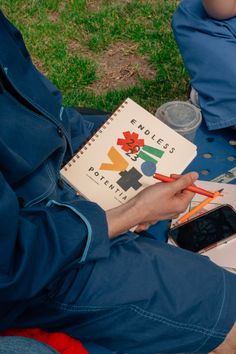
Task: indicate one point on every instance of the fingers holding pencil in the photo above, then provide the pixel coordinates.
(182, 182)
(191, 188)
(189, 179)
(179, 189)
(184, 188)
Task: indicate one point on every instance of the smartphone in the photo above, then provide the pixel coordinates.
(206, 231)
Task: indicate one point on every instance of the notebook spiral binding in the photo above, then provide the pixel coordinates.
(94, 136)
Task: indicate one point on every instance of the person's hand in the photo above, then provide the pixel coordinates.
(164, 200)
(160, 201)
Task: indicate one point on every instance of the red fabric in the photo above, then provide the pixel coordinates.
(61, 342)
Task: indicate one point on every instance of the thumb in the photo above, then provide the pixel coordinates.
(185, 181)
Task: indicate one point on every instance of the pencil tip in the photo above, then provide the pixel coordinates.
(218, 193)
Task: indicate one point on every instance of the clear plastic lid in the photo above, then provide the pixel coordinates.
(180, 115)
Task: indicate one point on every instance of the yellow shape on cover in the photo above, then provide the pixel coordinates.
(118, 161)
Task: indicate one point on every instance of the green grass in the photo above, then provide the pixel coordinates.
(50, 26)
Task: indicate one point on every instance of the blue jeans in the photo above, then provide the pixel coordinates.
(146, 297)
(21, 345)
(208, 48)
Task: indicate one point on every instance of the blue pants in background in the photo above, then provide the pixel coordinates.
(208, 48)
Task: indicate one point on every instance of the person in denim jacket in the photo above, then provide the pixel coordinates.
(205, 32)
(65, 263)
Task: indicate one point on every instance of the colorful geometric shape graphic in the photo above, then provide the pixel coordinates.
(130, 179)
(131, 143)
(153, 151)
(118, 161)
(148, 168)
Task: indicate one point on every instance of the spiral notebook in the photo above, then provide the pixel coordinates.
(120, 159)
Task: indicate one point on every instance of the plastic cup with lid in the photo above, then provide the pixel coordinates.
(183, 117)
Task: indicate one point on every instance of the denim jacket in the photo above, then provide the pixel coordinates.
(45, 228)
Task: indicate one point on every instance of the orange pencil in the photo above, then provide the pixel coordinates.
(200, 206)
(193, 189)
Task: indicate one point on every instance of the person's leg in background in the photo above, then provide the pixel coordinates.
(208, 48)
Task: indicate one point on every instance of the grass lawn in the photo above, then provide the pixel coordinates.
(98, 52)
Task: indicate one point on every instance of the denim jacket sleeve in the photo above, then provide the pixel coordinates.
(39, 243)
